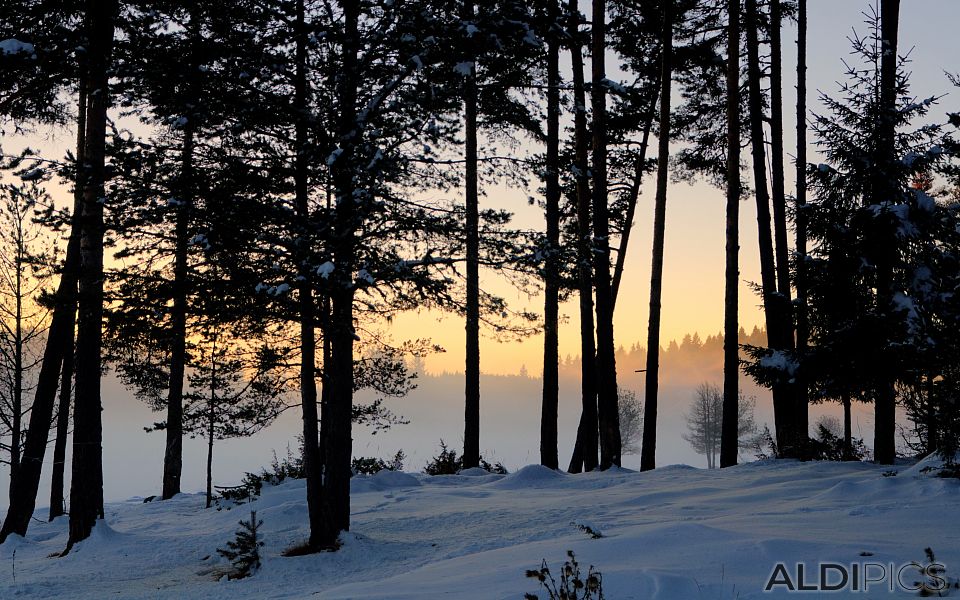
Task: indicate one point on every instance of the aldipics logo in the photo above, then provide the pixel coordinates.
(927, 579)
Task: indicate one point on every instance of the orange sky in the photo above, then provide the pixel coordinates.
(692, 290)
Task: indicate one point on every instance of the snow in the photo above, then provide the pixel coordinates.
(779, 361)
(677, 533)
(614, 86)
(200, 240)
(905, 304)
(364, 276)
(325, 269)
(14, 46)
(334, 156)
(32, 174)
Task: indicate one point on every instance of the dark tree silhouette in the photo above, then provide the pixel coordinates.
(731, 348)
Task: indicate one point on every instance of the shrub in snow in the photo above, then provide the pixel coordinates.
(763, 444)
(828, 445)
(365, 465)
(288, 467)
(572, 585)
(281, 469)
(588, 528)
(244, 551)
(449, 463)
(445, 463)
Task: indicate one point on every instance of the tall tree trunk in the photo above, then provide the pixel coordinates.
(847, 429)
(885, 191)
(173, 456)
(336, 423)
(585, 450)
(772, 301)
(551, 304)
(471, 434)
(211, 420)
(648, 452)
(57, 507)
(729, 434)
(17, 356)
(777, 186)
(26, 481)
(607, 412)
(86, 485)
(931, 417)
(803, 326)
(312, 464)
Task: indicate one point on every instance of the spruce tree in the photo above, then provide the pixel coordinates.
(243, 552)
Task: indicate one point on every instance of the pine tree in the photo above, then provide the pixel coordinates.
(729, 442)
(235, 391)
(607, 413)
(776, 307)
(648, 455)
(800, 216)
(86, 487)
(243, 552)
(585, 450)
(471, 436)
(551, 378)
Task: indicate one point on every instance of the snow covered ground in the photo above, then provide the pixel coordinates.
(676, 533)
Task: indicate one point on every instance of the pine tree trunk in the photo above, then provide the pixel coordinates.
(26, 482)
(471, 434)
(173, 456)
(607, 413)
(336, 423)
(312, 465)
(648, 451)
(777, 184)
(211, 421)
(17, 408)
(729, 434)
(585, 450)
(800, 219)
(57, 507)
(551, 308)
(86, 485)
(772, 301)
(884, 447)
(847, 429)
(930, 415)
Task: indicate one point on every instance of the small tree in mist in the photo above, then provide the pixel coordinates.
(631, 421)
(705, 418)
